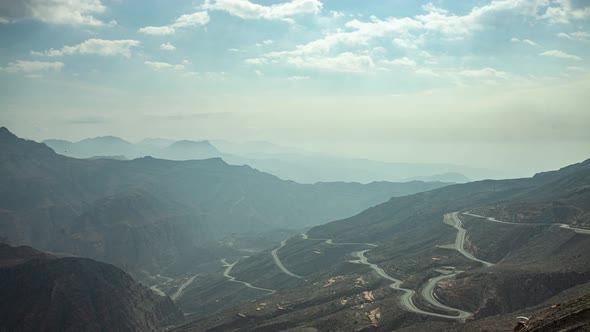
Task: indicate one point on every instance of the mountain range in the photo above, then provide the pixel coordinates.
(286, 163)
(150, 214)
(231, 247)
(454, 258)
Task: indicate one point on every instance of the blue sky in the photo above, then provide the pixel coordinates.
(477, 81)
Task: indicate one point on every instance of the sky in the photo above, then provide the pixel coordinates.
(500, 84)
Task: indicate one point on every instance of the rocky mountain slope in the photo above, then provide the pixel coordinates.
(429, 263)
(39, 292)
(151, 214)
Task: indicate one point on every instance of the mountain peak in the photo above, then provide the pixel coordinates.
(6, 134)
(188, 144)
(105, 139)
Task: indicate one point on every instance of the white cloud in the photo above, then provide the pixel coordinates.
(258, 73)
(560, 54)
(439, 20)
(566, 11)
(298, 78)
(336, 14)
(191, 20)
(578, 69)
(427, 72)
(344, 62)
(526, 41)
(256, 61)
(405, 61)
(247, 10)
(407, 43)
(157, 31)
(184, 21)
(167, 47)
(28, 67)
(485, 73)
(578, 35)
(163, 66)
(66, 12)
(264, 42)
(95, 46)
(235, 50)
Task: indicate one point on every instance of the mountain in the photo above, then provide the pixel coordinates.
(445, 177)
(39, 292)
(189, 150)
(152, 215)
(431, 261)
(285, 162)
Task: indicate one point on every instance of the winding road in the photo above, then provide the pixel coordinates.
(406, 299)
(565, 226)
(453, 220)
(182, 287)
(155, 287)
(278, 262)
(226, 274)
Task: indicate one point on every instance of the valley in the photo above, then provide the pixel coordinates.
(197, 233)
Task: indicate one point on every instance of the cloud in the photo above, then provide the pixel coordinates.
(405, 61)
(485, 73)
(427, 72)
(526, 41)
(157, 31)
(566, 11)
(158, 66)
(439, 20)
(235, 50)
(406, 32)
(258, 73)
(247, 10)
(264, 42)
(298, 78)
(95, 46)
(256, 61)
(578, 35)
(578, 69)
(410, 43)
(347, 62)
(167, 47)
(560, 54)
(64, 12)
(184, 21)
(28, 67)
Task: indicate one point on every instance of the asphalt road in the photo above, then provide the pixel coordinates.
(277, 260)
(566, 226)
(182, 287)
(406, 299)
(226, 274)
(453, 220)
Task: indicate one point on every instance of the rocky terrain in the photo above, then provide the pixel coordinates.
(153, 216)
(503, 268)
(40, 292)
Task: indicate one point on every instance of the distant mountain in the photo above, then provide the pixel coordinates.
(189, 150)
(445, 177)
(151, 214)
(506, 267)
(39, 292)
(285, 162)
